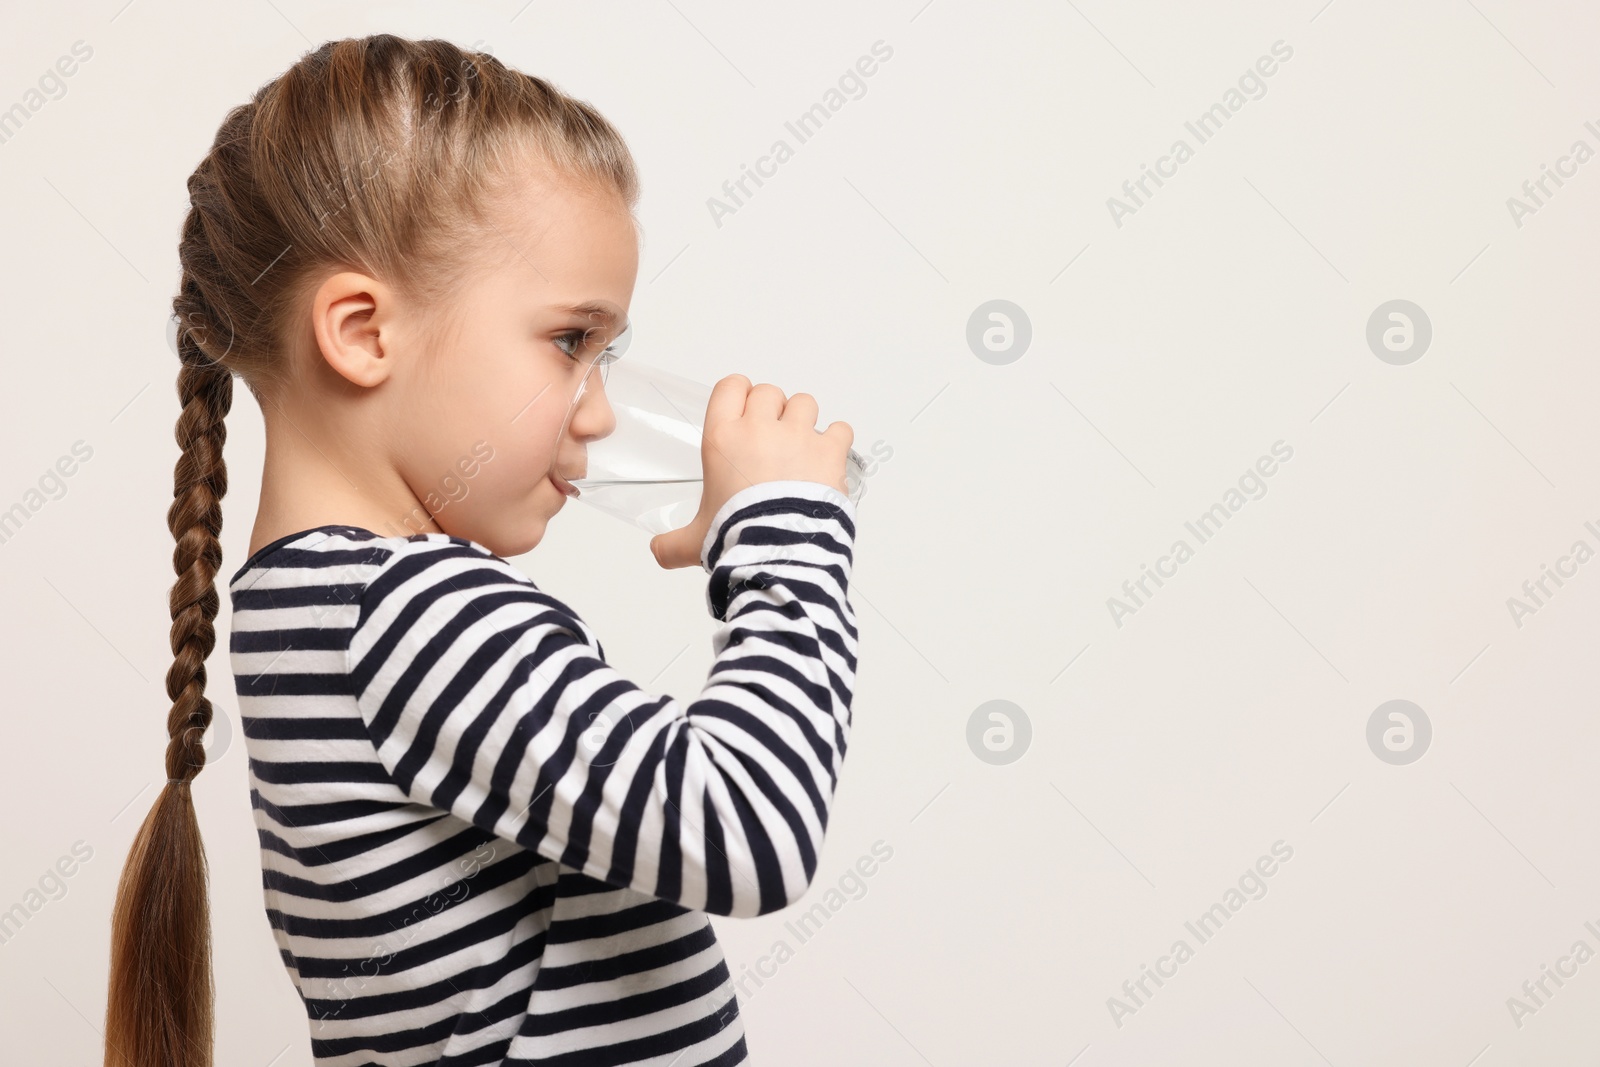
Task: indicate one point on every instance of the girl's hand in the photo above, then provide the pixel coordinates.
(755, 434)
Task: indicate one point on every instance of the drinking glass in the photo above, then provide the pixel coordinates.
(648, 470)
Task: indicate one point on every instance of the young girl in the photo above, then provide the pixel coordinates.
(480, 844)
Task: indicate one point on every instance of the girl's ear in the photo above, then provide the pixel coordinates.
(350, 313)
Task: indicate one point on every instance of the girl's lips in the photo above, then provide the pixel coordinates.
(566, 487)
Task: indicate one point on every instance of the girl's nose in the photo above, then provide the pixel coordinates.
(592, 417)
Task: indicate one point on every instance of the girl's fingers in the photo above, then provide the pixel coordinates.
(841, 431)
(800, 408)
(766, 401)
(727, 399)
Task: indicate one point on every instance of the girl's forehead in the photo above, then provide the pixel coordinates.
(536, 196)
(580, 240)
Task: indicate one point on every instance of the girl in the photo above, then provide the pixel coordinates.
(480, 844)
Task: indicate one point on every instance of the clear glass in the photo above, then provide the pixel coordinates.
(648, 471)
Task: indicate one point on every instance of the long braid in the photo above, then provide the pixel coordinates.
(200, 480)
(160, 1011)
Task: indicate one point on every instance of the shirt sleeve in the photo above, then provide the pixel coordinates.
(490, 699)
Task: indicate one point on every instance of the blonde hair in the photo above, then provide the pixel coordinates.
(377, 154)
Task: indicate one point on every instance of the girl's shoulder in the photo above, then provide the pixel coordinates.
(340, 575)
(338, 564)
(335, 552)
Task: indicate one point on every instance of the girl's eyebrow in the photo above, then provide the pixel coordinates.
(591, 309)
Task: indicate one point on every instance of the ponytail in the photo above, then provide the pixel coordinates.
(160, 1004)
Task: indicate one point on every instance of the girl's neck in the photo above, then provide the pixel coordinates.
(304, 485)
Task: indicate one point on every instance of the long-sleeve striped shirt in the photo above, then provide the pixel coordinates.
(480, 843)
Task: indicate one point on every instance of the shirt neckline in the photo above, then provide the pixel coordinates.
(272, 546)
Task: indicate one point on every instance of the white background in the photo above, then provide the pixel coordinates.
(1167, 354)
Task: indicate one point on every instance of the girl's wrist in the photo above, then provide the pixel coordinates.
(764, 491)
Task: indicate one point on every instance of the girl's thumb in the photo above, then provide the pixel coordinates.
(669, 548)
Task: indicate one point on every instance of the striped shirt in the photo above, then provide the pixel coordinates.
(480, 843)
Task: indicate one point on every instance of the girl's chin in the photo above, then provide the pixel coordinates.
(529, 535)
(521, 528)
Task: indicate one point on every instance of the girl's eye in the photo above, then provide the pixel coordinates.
(578, 343)
(572, 343)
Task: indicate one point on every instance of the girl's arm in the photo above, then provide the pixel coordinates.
(490, 699)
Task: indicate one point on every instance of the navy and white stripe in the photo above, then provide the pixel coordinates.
(481, 844)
